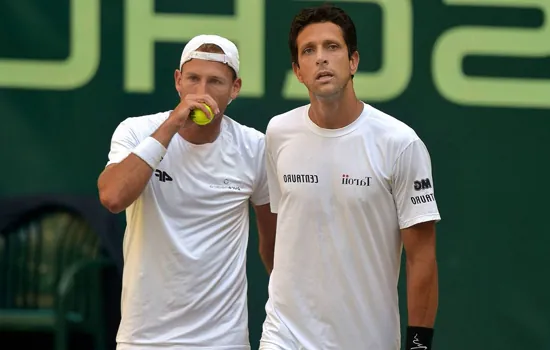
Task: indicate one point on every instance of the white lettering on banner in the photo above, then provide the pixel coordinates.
(456, 43)
(71, 73)
(394, 76)
(144, 27)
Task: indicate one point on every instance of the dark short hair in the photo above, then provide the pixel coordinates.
(321, 14)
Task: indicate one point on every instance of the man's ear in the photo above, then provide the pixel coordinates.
(296, 69)
(354, 63)
(177, 80)
(237, 84)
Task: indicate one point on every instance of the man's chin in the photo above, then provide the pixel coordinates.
(327, 92)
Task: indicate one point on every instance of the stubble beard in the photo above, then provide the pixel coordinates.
(333, 94)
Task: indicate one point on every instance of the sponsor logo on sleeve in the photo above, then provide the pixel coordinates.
(422, 184)
(426, 198)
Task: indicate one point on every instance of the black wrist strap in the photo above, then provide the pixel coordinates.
(419, 338)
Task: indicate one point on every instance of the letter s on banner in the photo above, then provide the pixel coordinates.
(457, 43)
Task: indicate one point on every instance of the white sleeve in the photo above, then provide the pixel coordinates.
(260, 195)
(412, 186)
(272, 179)
(123, 142)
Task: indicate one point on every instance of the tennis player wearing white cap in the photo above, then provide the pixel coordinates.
(186, 190)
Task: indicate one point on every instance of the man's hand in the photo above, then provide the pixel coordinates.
(180, 114)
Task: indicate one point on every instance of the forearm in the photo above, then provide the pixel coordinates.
(121, 184)
(266, 254)
(166, 131)
(267, 245)
(267, 224)
(422, 292)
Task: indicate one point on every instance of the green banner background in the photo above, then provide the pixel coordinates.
(471, 77)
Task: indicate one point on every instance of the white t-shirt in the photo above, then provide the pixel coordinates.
(342, 197)
(184, 282)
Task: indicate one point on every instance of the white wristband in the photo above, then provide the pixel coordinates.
(151, 151)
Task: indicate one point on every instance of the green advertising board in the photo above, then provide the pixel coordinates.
(472, 77)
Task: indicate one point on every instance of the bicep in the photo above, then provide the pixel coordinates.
(267, 222)
(266, 189)
(419, 241)
(260, 195)
(123, 142)
(273, 182)
(413, 187)
(264, 215)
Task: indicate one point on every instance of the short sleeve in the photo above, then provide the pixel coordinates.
(123, 142)
(413, 187)
(272, 180)
(260, 195)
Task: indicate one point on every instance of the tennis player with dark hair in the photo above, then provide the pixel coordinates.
(351, 186)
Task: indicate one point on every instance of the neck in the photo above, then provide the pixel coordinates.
(337, 111)
(199, 135)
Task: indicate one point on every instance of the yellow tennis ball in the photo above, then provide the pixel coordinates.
(199, 117)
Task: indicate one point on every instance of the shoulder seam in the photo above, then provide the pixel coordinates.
(401, 153)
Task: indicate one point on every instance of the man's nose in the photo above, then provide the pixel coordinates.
(200, 88)
(321, 57)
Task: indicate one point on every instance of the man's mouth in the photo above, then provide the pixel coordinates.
(324, 76)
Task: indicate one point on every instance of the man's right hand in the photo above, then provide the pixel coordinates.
(180, 114)
(121, 184)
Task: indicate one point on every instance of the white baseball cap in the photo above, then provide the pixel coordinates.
(229, 57)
